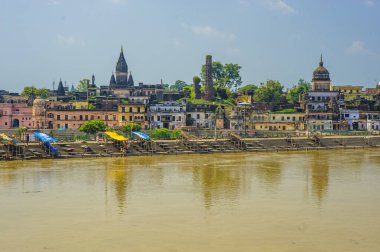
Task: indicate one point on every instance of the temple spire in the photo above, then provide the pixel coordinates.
(321, 62)
(130, 82)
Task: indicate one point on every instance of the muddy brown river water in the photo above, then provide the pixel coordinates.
(294, 201)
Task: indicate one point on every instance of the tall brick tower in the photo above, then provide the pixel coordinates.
(209, 85)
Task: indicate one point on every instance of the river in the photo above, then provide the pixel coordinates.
(288, 201)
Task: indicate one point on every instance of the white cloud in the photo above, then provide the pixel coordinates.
(369, 3)
(358, 47)
(209, 31)
(70, 40)
(278, 5)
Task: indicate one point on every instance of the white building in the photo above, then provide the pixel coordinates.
(170, 115)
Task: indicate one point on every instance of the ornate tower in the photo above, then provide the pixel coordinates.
(112, 80)
(91, 89)
(197, 87)
(209, 85)
(61, 89)
(130, 83)
(321, 78)
(121, 70)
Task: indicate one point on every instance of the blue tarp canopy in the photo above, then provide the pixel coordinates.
(142, 135)
(45, 137)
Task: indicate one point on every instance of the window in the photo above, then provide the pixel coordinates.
(86, 117)
(130, 118)
(130, 109)
(66, 118)
(58, 117)
(206, 116)
(92, 117)
(198, 116)
(123, 118)
(158, 118)
(180, 119)
(123, 109)
(138, 109)
(80, 117)
(106, 117)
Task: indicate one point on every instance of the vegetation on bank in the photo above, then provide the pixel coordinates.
(93, 127)
(161, 134)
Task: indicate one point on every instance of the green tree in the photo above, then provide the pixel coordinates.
(293, 95)
(249, 89)
(93, 126)
(188, 91)
(42, 92)
(227, 75)
(28, 90)
(178, 85)
(82, 85)
(223, 93)
(270, 92)
(130, 127)
(231, 76)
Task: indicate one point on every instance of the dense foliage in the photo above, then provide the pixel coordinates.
(178, 85)
(82, 85)
(166, 134)
(42, 92)
(93, 126)
(227, 75)
(293, 95)
(130, 127)
(270, 92)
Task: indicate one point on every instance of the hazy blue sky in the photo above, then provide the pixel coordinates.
(43, 40)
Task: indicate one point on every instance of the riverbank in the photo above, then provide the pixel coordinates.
(91, 149)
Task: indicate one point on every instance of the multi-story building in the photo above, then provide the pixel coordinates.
(200, 115)
(279, 121)
(133, 113)
(15, 112)
(170, 115)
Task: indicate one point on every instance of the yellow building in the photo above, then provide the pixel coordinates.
(348, 89)
(133, 113)
(279, 121)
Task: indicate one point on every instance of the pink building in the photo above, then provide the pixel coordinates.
(15, 115)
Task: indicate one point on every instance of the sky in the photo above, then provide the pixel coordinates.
(42, 41)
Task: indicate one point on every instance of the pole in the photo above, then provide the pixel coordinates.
(245, 128)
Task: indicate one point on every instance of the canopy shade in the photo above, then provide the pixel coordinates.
(142, 135)
(45, 137)
(5, 137)
(115, 136)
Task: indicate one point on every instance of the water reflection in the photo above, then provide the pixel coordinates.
(121, 179)
(220, 180)
(319, 167)
(269, 170)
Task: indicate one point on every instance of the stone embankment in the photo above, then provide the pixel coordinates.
(185, 146)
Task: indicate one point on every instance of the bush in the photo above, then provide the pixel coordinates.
(166, 134)
(176, 134)
(161, 134)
